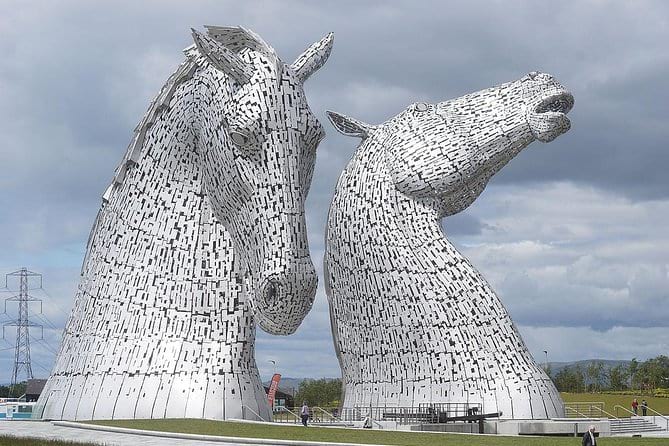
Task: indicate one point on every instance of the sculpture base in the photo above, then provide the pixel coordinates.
(121, 396)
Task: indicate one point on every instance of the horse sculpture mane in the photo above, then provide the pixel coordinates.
(414, 323)
(200, 236)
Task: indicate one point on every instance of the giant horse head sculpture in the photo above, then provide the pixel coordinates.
(438, 331)
(258, 138)
(446, 153)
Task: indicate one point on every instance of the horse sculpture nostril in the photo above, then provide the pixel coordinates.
(271, 293)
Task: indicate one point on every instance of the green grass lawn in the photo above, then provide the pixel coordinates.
(11, 441)
(312, 433)
(610, 400)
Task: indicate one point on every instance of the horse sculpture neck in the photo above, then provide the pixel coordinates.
(413, 321)
(193, 244)
(160, 326)
(406, 304)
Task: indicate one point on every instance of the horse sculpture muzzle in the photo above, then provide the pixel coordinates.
(547, 118)
(284, 297)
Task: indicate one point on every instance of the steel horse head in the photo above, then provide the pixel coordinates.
(258, 140)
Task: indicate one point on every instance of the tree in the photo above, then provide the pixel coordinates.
(564, 380)
(579, 379)
(13, 392)
(570, 379)
(618, 377)
(319, 392)
(651, 374)
(634, 365)
(594, 372)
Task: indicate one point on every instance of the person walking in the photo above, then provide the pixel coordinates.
(304, 413)
(644, 407)
(635, 407)
(589, 438)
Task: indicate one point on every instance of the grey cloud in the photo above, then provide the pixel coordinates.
(614, 343)
(463, 224)
(77, 76)
(571, 256)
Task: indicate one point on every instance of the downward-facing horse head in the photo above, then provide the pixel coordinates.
(200, 236)
(413, 321)
(258, 138)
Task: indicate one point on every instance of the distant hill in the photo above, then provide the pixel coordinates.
(556, 367)
(288, 383)
(607, 364)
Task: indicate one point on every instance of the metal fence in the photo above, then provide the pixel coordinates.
(423, 413)
(584, 409)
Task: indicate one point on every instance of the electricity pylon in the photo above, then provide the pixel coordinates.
(22, 323)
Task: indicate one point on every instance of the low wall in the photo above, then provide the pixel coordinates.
(462, 428)
(561, 427)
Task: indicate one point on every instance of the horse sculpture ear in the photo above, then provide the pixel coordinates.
(349, 126)
(222, 58)
(313, 58)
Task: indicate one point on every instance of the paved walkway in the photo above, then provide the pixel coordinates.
(58, 431)
(116, 436)
(46, 430)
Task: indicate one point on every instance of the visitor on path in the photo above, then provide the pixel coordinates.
(635, 407)
(304, 413)
(589, 437)
(644, 407)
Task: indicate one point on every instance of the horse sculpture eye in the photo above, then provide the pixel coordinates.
(239, 138)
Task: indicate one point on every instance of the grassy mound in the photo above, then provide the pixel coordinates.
(12, 441)
(610, 400)
(292, 432)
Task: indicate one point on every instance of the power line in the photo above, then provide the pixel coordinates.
(42, 367)
(42, 318)
(46, 345)
(53, 302)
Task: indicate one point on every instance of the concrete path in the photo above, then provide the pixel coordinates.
(117, 436)
(46, 430)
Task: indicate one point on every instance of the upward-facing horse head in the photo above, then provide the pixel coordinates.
(449, 151)
(414, 322)
(259, 138)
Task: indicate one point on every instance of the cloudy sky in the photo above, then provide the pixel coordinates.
(572, 235)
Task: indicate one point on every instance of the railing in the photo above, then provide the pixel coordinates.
(320, 415)
(571, 409)
(401, 415)
(316, 415)
(247, 408)
(285, 415)
(660, 415)
(424, 413)
(453, 409)
(609, 415)
(618, 406)
(584, 409)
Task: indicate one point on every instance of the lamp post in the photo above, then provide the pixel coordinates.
(271, 392)
(546, 362)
